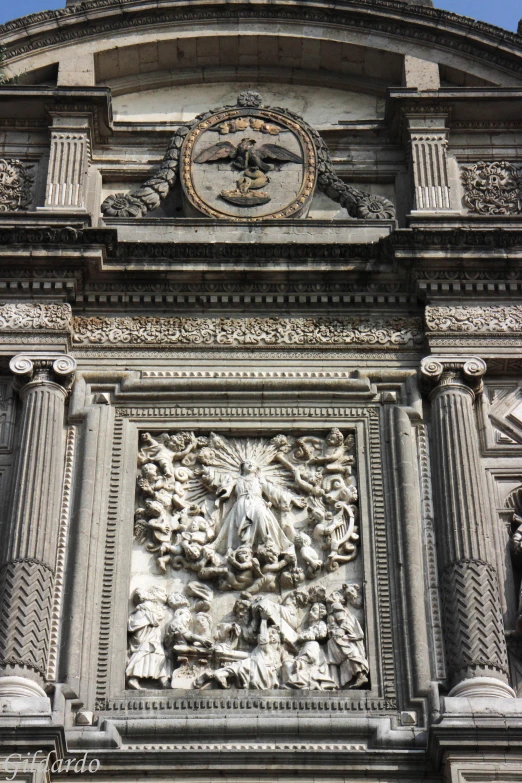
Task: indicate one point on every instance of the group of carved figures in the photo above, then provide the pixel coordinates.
(309, 641)
(254, 515)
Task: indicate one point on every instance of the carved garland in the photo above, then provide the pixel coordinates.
(150, 195)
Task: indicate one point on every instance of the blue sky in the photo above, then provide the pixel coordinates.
(503, 13)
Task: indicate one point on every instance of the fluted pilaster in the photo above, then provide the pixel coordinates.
(29, 552)
(474, 633)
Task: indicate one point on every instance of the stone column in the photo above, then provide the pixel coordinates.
(31, 534)
(475, 641)
(68, 163)
(428, 138)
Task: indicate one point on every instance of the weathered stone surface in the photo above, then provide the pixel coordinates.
(260, 533)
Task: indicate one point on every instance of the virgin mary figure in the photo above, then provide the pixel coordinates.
(250, 519)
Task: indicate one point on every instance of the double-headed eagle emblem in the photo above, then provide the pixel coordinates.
(252, 162)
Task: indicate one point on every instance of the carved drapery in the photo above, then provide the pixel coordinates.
(29, 551)
(472, 616)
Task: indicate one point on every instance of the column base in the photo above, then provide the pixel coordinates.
(482, 688)
(21, 695)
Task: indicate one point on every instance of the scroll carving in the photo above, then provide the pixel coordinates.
(466, 318)
(21, 317)
(239, 526)
(493, 188)
(400, 332)
(16, 185)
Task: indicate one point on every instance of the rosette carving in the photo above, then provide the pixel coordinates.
(493, 188)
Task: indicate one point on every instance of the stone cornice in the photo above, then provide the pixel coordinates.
(68, 235)
(419, 23)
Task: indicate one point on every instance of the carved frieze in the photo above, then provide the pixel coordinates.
(468, 318)
(395, 332)
(241, 556)
(26, 317)
(493, 188)
(16, 184)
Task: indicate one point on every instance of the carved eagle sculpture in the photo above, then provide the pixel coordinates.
(246, 155)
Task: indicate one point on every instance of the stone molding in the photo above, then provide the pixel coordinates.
(108, 694)
(61, 554)
(403, 332)
(395, 18)
(470, 319)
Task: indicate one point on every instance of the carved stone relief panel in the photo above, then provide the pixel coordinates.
(16, 185)
(245, 566)
(493, 188)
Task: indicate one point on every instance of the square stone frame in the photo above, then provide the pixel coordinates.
(109, 626)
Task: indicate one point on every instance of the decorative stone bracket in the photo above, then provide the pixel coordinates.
(428, 140)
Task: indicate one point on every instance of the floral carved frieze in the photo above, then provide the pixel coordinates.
(493, 188)
(400, 332)
(242, 547)
(16, 183)
(466, 318)
(26, 317)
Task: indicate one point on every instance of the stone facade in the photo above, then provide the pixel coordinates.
(260, 393)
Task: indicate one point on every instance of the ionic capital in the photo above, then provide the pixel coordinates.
(461, 373)
(34, 368)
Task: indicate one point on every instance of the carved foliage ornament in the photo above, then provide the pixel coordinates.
(493, 188)
(248, 162)
(402, 332)
(242, 524)
(16, 182)
(465, 318)
(26, 317)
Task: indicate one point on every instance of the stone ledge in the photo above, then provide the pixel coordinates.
(263, 232)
